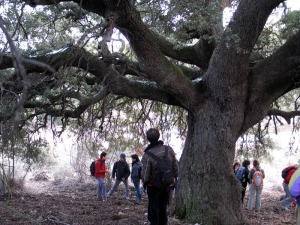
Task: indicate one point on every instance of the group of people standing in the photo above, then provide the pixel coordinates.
(158, 198)
(120, 173)
(254, 178)
(145, 170)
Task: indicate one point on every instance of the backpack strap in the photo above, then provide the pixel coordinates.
(166, 152)
(260, 169)
(156, 157)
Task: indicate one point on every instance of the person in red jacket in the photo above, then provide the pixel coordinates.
(100, 172)
(286, 202)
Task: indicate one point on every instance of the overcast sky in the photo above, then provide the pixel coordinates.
(292, 4)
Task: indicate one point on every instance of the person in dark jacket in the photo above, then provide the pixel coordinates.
(121, 172)
(245, 179)
(157, 198)
(136, 176)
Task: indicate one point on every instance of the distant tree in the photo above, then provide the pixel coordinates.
(178, 53)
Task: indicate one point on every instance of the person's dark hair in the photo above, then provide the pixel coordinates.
(246, 163)
(152, 135)
(234, 165)
(103, 154)
(255, 162)
(136, 157)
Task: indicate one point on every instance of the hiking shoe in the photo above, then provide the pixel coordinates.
(284, 209)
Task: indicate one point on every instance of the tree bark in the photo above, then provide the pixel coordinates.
(209, 193)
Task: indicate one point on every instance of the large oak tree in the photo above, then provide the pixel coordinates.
(182, 56)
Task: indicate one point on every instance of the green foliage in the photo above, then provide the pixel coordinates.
(22, 146)
(122, 124)
(291, 24)
(175, 19)
(255, 144)
(44, 28)
(276, 34)
(288, 102)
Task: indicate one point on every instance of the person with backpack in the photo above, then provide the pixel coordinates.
(286, 174)
(236, 166)
(136, 170)
(242, 174)
(294, 188)
(256, 176)
(158, 172)
(99, 173)
(121, 172)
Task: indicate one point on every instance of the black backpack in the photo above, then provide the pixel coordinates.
(164, 177)
(92, 168)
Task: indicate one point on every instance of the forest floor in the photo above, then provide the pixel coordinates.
(43, 202)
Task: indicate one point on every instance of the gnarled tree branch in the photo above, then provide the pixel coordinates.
(286, 115)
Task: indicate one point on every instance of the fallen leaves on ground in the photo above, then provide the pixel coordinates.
(43, 202)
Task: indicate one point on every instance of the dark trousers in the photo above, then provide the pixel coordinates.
(157, 206)
(244, 186)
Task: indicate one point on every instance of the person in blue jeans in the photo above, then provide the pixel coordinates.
(136, 176)
(100, 172)
(121, 172)
(255, 189)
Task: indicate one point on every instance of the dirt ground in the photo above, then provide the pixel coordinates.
(43, 202)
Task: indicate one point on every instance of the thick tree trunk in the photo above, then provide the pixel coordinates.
(3, 190)
(208, 191)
